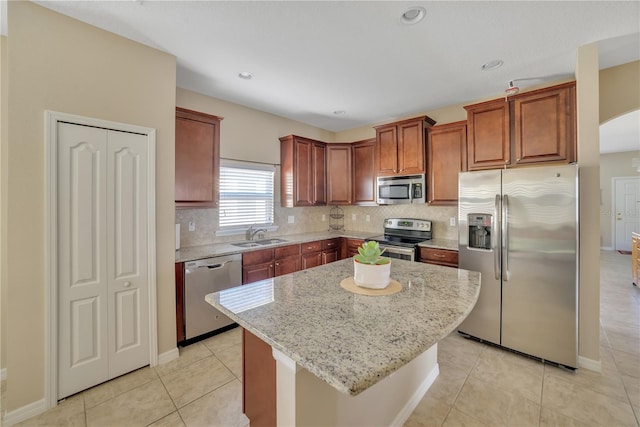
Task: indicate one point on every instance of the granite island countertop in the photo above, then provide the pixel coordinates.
(352, 341)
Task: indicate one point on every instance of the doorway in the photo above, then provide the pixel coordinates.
(101, 288)
(626, 205)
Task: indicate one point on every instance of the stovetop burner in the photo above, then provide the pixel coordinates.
(406, 232)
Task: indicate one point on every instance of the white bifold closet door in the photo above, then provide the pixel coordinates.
(103, 320)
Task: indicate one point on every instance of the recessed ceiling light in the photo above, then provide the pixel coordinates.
(413, 15)
(339, 112)
(245, 75)
(492, 65)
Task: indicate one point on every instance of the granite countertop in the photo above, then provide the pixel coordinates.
(226, 248)
(352, 341)
(449, 244)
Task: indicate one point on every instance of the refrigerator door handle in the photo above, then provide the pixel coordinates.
(505, 237)
(495, 243)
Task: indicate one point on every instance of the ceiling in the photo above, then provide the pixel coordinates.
(311, 59)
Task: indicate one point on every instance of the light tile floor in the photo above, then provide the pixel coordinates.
(478, 385)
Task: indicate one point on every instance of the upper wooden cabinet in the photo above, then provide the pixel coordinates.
(364, 172)
(532, 127)
(446, 156)
(339, 174)
(400, 147)
(303, 172)
(197, 159)
(488, 135)
(544, 125)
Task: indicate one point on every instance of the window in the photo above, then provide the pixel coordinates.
(246, 194)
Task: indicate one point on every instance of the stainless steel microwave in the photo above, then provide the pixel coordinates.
(396, 190)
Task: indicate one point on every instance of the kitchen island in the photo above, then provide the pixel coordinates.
(349, 359)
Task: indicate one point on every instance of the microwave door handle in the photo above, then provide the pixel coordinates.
(411, 192)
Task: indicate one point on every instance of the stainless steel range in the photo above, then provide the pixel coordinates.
(402, 235)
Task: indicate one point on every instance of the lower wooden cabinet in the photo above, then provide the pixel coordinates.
(258, 381)
(180, 332)
(635, 258)
(320, 252)
(267, 263)
(352, 246)
(444, 257)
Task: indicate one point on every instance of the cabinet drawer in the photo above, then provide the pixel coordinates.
(257, 257)
(331, 244)
(439, 256)
(310, 247)
(287, 251)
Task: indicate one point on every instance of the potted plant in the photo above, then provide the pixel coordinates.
(370, 269)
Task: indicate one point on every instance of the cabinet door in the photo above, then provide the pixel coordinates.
(303, 173)
(543, 126)
(488, 135)
(387, 150)
(446, 156)
(197, 156)
(311, 260)
(179, 274)
(258, 381)
(411, 147)
(287, 265)
(257, 272)
(352, 246)
(329, 256)
(364, 173)
(319, 167)
(339, 174)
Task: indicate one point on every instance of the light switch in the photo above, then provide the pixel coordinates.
(452, 221)
(291, 219)
(353, 217)
(192, 226)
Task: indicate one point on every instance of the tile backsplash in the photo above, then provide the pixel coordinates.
(314, 219)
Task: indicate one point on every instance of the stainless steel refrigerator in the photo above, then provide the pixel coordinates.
(519, 228)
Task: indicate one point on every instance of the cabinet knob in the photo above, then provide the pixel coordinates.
(277, 264)
(126, 284)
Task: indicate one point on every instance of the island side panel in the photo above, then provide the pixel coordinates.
(258, 381)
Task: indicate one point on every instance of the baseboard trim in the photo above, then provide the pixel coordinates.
(590, 364)
(24, 413)
(3, 374)
(411, 405)
(168, 356)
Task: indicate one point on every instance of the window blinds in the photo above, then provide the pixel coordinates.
(246, 195)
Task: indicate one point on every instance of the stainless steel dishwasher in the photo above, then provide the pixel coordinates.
(203, 277)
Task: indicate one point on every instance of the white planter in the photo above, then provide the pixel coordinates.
(371, 275)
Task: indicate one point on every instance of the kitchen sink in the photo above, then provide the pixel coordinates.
(256, 243)
(246, 244)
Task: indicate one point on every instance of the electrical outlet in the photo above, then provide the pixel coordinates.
(353, 217)
(192, 226)
(452, 221)
(367, 218)
(324, 217)
(291, 219)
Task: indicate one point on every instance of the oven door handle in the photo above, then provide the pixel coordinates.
(398, 250)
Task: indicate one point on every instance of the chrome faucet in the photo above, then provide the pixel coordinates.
(251, 232)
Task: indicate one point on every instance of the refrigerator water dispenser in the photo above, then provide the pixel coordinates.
(479, 231)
